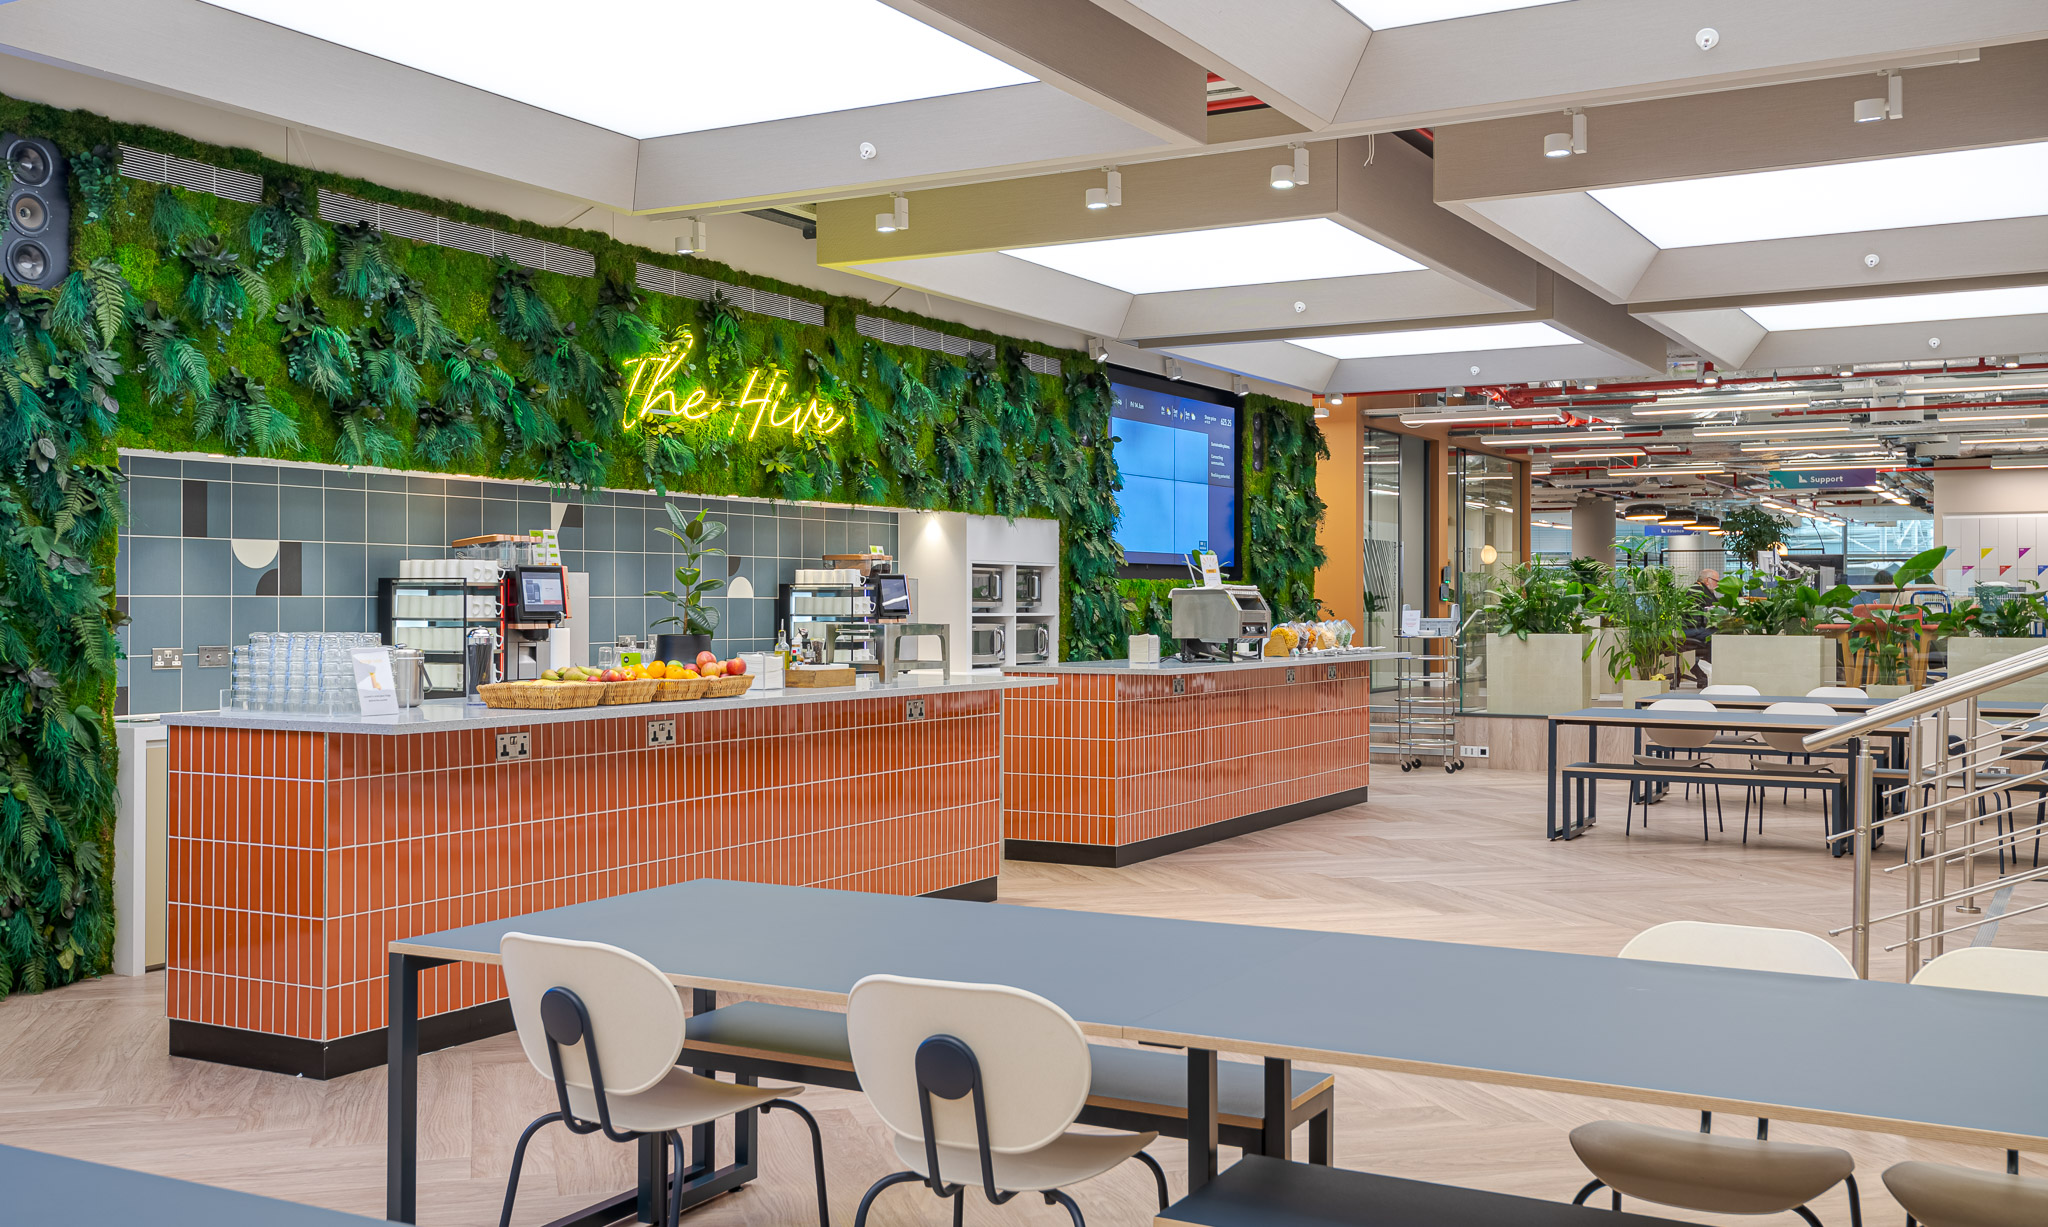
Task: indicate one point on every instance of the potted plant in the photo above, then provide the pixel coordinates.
(1882, 634)
(1537, 646)
(1769, 638)
(2005, 624)
(1643, 610)
(693, 536)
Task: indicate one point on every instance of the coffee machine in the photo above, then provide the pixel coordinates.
(532, 601)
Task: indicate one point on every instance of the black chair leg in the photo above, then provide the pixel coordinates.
(674, 1195)
(1158, 1176)
(860, 1216)
(1806, 1214)
(1319, 1127)
(1588, 1191)
(519, 1159)
(1855, 1202)
(1055, 1197)
(959, 1206)
(817, 1153)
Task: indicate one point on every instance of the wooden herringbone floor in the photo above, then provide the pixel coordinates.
(1458, 858)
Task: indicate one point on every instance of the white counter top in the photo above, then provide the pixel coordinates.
(1170, 667)
(439, 715)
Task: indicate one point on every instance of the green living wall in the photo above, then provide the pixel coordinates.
(193, 322)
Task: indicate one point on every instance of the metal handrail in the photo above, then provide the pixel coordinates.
(1920, 702)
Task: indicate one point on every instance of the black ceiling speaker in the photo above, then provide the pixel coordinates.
(36, 248)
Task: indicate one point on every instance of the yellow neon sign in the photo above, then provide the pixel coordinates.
(651, 393)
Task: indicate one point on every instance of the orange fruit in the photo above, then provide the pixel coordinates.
(656, 669)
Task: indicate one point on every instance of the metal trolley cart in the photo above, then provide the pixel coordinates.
(1426, 693)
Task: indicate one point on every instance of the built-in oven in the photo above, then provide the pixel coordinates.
(1030, 588)
(985, 589)
(1034, 643)
(987, 646)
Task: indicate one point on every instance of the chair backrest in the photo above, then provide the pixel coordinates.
(1791, 743)
(1730, 688)
(1741, 946)
(636, 1015)
(1680, 739)
(1989, 968)
(1837, 692)
(1032, 1056)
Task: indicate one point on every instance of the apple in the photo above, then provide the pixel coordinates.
(711, 668)
(676, 667)
(705, 658)
(735, 666)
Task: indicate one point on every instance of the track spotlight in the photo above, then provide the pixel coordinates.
(692, 241)
(896, 219)
(1098, 349)
(1173, 370)
(1287, 175)
(1891, 106)
(1565, 144)
(1108, 196)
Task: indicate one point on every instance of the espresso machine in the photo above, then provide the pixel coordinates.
(532, 601)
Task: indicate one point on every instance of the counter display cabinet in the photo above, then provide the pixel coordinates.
(1116, 763)
(301, 845)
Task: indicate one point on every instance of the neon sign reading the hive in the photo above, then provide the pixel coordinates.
(651, 393)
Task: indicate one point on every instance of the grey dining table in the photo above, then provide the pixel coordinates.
(38, 1188)
(1757, 702)
(1580, 1024)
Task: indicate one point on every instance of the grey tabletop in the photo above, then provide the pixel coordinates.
(1757, 702)
(36, 1188)
(1582, 1024)
(1774, 722)
(442, 715)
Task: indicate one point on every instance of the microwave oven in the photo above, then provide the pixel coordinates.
(986, 587)
(1030, 589)
(1034, 643)
(987, 646)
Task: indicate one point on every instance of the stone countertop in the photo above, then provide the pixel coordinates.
(440, 715)
(1171, 667)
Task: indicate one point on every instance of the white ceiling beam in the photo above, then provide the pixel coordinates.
(1962, 341)
(1087, 52)
(1496, 366)
(1529, 60)
(2001, 99)
(1331, 304)
(1008, 284)
(1821, 268)
(1275, 360)
(197, 51)
(1296, 56)
(1571, 233)
(1726, 338)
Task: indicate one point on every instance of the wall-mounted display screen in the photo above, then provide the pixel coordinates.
(1178, 457)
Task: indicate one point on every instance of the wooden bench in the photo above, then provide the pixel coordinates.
(1643, 771)
(1262, 1192)
(1135, 1089)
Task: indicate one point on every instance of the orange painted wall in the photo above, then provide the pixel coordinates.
(1340, 582)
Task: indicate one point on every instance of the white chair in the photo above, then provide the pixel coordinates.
(1732, 689)
(1837, 692)
(980, 1085)
(1791, 745)
(1943, 1196)
(1700, 1171)
(1672, 741)
(605, 1027)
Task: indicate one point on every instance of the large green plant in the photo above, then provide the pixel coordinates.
(1779, 607)
(2012, 614)
(1749, 531)
(1533, 598)
(1646, 607)
(693, 536)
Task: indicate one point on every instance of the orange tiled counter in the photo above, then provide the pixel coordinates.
(301, 845)
(1116, 764)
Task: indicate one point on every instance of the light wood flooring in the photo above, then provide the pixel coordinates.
(83, 1070)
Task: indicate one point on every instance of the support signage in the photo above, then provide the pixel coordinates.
(1824, 479)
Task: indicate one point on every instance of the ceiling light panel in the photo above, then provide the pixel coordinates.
(595, 64)
(1906, 309)
(1439, 341)
(1210, 259)
(1930, 189)
(1388, 14)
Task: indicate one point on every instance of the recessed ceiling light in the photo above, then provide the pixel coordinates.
(1391, 14)
(1439, 341)
(1905, 309)
(600, 66)
(1885, 194)
(1208, 259)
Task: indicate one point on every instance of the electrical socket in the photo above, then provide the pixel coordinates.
(513, 746)
(661, 732)
(213, 658)
(166, 658)
(913, 709)
(1473, 751)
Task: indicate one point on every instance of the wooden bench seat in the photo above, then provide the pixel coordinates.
(1677, 773)
(1133, 1088)
(1262, 1192)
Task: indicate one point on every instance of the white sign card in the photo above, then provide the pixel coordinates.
(376, 687)
(1411, 621)
(1212, 575)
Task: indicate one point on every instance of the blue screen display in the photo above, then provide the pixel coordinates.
(1178, 457)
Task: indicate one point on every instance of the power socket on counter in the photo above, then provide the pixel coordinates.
(661, 733)
(513, 746)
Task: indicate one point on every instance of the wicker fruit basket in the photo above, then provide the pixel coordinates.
(726, 687)
(672, 689)
(538, 697)
(637, 691)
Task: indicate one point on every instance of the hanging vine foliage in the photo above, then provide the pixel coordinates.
(192, 322)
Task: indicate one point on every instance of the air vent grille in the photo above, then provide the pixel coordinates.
(151, 166)
(442, 232)
(678, 284)
(1042, 365)
(917, 336)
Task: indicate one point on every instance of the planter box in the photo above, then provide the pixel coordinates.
(1974, 653)
(1540, 676)
(1636, 692)
(1775, 664)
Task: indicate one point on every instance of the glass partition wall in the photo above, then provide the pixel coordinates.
(1486, 516)
(1395, 475)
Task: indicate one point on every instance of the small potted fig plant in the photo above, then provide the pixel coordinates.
(698, 621)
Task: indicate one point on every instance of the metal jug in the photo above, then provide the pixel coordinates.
(409, 675)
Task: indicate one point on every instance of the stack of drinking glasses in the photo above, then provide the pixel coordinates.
(296, 671)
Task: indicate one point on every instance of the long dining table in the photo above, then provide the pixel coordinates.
(1579, 1024)
(1990, 710)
